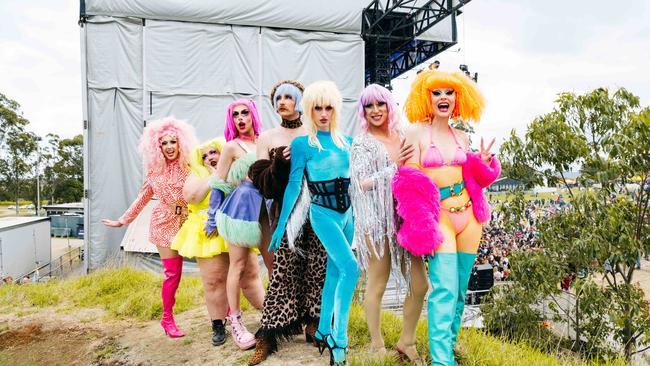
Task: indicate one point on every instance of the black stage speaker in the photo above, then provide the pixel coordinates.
(481, 279)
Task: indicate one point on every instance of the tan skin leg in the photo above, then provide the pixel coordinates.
(238, 260)
(470, 238)
(251, 283)
(413, 307)
(165, 252)
(214, 272)
(378, 273)
(266, 239)
(448, 244)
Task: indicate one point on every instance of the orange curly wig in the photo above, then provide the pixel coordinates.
(469, 100)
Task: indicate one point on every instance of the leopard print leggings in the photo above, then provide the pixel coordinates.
(296, 285)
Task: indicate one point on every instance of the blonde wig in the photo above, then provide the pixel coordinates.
(322, 93)
(469, 100)
(196, 159)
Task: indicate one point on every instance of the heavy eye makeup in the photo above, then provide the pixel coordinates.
(285, 96)
(245, 112)
(448, 92)
(370, 105)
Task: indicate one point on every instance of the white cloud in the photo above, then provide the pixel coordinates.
(40, 60)
(525, 51)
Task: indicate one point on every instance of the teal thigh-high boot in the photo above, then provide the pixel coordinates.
(465, 265)
(441, 306)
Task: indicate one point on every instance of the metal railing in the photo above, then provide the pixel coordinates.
(58, 267)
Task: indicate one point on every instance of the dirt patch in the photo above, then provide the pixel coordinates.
(35, 345)
(20, 337)
(88, 337)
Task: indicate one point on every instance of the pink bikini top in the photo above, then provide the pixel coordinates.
(433, 158)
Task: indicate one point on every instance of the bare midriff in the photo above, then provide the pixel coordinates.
(443, 177)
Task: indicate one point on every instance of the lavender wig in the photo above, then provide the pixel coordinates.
(231, 132)
(288, 89)
(377, 93)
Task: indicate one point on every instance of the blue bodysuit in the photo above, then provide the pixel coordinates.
(328, 177)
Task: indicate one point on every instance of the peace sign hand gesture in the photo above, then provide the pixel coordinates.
(486, 155)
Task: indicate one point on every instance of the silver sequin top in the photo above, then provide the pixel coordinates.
(374, 210)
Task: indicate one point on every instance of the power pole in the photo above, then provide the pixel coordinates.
(38, 182)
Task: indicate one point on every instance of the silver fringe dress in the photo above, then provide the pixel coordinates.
(374, 210)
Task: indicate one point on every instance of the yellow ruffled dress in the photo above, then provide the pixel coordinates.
(191, 240)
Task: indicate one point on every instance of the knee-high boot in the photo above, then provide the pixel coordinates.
(173, 270)
(465, 265)
(441, 306)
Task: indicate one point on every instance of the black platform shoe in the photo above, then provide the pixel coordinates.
(218, 332)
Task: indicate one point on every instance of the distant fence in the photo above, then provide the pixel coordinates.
(58, 267)
(394, 296)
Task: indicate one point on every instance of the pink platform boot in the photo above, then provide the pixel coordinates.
(173, 269)
(242, 337)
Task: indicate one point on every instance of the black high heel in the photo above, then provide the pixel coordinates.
(332, 348)
(321, 343)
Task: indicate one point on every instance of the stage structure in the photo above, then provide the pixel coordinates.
(146, 59)
(391, 31)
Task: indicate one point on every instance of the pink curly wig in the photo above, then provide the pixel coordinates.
(152, 155)
(378, 93)
(230, 132)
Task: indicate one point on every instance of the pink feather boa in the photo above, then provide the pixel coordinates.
(478, 175)
(418, 204)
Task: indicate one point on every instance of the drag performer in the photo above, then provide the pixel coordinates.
(440, 197)
(322, 158)
(374, 155)
(165, 147)
(211, 252)
(238, 215)
(294, 294)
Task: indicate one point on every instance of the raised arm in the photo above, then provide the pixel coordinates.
(225, 160)
(220, 188)
(361, 176)
(299, 150)
(263, 145)
(196, 188)
(412, 137)
(144, 196)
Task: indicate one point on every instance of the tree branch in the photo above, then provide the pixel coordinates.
(608, 280)
(572, 320)
(639, 351)
(566, 184)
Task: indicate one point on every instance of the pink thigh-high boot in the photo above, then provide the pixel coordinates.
(173, 270)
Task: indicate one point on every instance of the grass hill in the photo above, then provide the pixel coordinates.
(111, 318)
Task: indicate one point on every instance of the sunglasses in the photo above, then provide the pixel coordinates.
(235, 114)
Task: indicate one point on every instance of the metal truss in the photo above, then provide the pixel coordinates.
(389, 29)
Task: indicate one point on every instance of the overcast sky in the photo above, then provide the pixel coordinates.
(525, 51)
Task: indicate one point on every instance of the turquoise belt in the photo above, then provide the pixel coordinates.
(453, 190)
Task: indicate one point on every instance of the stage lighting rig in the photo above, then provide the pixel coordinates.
(464, 68)
(390, 29)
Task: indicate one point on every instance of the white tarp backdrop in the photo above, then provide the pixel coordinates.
(144, 60)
